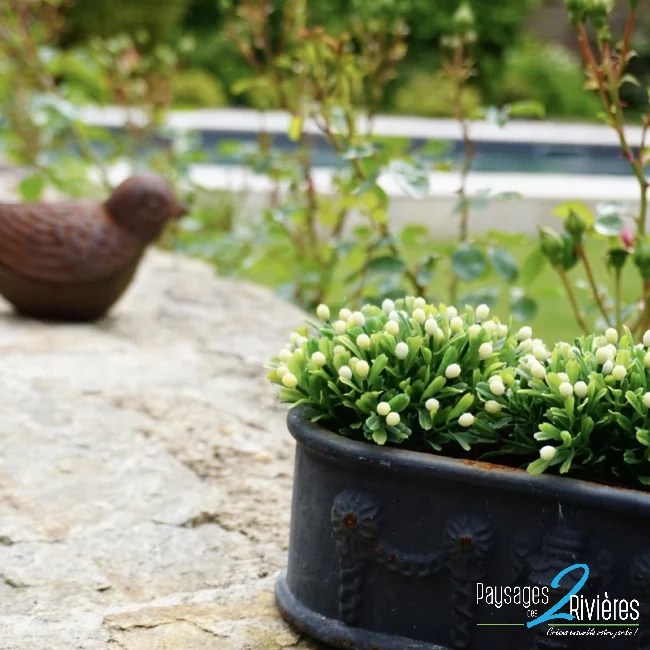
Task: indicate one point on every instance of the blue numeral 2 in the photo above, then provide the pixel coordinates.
(550, 613)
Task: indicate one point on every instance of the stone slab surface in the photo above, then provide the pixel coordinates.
(145, 471)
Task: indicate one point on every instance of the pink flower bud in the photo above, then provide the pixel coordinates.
(627, 237)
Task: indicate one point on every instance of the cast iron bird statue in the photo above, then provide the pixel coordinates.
(71, 261)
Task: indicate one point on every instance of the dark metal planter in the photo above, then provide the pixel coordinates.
(388, 548)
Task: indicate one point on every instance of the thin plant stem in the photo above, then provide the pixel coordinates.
(592, 283)
(572, 299)
(468, 155)
(618, 292)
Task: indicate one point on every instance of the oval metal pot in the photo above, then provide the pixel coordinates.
(399, 550)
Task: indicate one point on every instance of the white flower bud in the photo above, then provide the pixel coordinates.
(490, 326)
(393, 316)
(318, 359)
(323, 312)
(301, 341)
(611, 335)
(646, 400)
(566, 389)
(340, 327)
(345, 372)
(345, 314)
(466, 420)
(497, 388)
(502, 331)
(280, 371)
(547, 453)
(392, 327)
(353, 362)
(580, 389)
(603, 355)
(338, 349)
(430, 326)
(419, 316)
(540, 352)
(452, 371)
(619, 373)
(432, 404)
(362, 369)
(474, 330)
(608, 366)
(419, 303)
(526, 344)
(537, 370)
(401, 350)
(646, 339)
(452, 312)
(295, 337)
(358, 319)
(285, 355)
(456, 324)
(289, 380)
(562, 376)
(482, 312)
(485, 351)
(524, 333)
(492, 406)
(363, 341)
(392, 419)
(388, 306)
(646, 360)
(383, 408)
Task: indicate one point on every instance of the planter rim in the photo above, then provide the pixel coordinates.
(324, 442)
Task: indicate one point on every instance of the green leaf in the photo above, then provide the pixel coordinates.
(527, 108)
(643, 436)
(538, 466)
(380, 436)
(461, 407)
(469, 263)
(399, 403)
(386, 264)
(414, 234)
(411, 178)
(436, 385)
(523, 309)
(609, 225)
(425, 419)
(425, 268)
(533, 267)
(359, 152)
(564, 211)
(566, 465)
(377, 366)
(295, 128)
(505, 264)
(374, 422)
(31, 188)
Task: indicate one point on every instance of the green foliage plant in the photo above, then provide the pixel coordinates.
(606, 69)
(428, 378)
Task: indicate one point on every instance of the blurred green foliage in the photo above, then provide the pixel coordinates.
(432, 95)
(550, 74)
(161, 20)
(197, 89)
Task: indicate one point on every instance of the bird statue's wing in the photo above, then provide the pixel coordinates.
(63, 242)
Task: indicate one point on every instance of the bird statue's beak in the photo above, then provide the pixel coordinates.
(181, 210)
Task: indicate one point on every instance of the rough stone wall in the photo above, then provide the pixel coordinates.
(145, 471)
